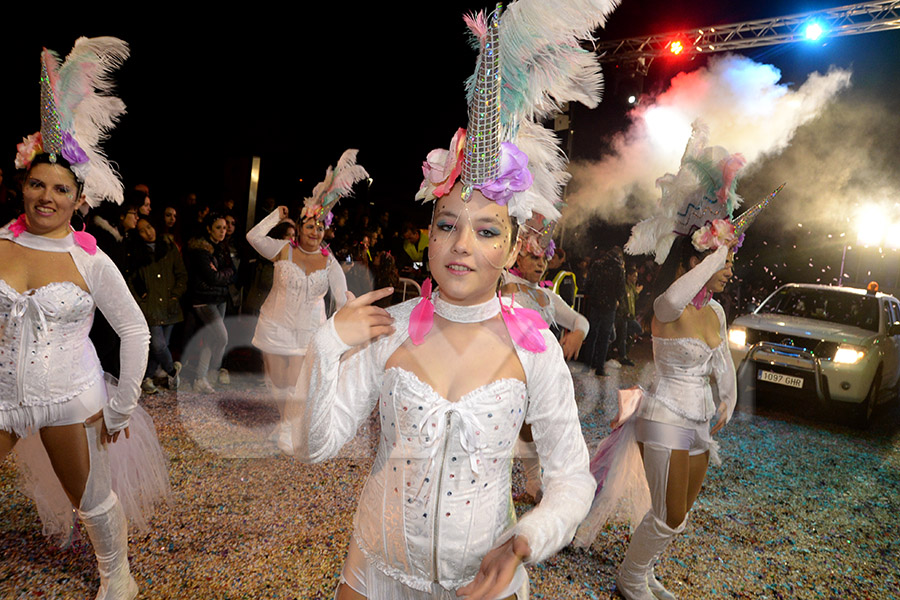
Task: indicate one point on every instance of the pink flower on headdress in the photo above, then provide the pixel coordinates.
(442, 167)
(28, 149)
(514, 175)
(713, 235)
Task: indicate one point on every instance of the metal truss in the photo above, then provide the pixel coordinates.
(855, 19)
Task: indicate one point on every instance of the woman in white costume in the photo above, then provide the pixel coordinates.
(525, 284)
(457, 372)
(674, 421)
(305, 271)
(51, 280)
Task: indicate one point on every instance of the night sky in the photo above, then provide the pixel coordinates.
(205, 91)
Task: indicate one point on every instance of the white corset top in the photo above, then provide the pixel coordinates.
(45, 354)
(438, 496)
(683, 367)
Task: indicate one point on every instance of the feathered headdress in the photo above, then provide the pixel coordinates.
(698, 201)
(529, 63)
(338, 183)
(78, 112)
(537, 236)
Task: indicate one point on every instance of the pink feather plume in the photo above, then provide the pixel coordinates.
(524, 326)
(422, 317)
(477, 24)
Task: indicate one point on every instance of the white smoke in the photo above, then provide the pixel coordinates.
(746, 108)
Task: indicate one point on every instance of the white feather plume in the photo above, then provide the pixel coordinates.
(85, 103)
(338, 182)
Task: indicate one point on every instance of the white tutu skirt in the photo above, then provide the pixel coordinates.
(138, 470)
(622, 492)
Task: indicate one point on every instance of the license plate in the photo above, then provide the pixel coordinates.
(780, 379)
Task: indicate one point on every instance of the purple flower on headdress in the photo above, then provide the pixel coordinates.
(551, 250)
(328, 218)
(514, 175)
(71, 151)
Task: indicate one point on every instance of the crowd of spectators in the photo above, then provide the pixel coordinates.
(188, 265)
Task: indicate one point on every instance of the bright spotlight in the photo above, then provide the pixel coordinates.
(813, 31)
(632, 99)
(676, 47)
(667, 128)
(870, 226)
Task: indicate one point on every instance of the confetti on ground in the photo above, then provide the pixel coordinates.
(801, 508)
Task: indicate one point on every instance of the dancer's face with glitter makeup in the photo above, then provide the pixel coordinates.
(50, 195)
(469, 244)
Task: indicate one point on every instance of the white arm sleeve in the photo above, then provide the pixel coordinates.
(669, 306)
(566, 316)
(723, 366)
(337, 389)
(568, 483)
(112, 297)
(262, 243)
(337, 282)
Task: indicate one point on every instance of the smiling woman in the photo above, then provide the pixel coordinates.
(53, 396)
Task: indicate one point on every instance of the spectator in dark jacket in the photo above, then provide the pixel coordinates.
(605, 288)
(210, 271)
(158, 279)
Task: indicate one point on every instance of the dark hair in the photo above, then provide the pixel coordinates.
(211, 218)
(679, 257)
(278, 232)
(135, 198)
(44, 159)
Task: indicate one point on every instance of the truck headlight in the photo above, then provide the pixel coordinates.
(737, 336)
(849, 355)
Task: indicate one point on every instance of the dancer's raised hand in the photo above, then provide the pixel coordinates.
(359, 321)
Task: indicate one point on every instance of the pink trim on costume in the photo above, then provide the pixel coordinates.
(87, 242)
(524, 325)
(19, 226)
(702, 298)
(422, 317)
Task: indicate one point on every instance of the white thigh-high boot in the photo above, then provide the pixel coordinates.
(652, 536)
(531, 465)
(285, 429)
(648, 541)
(277, 395)
(104, 520)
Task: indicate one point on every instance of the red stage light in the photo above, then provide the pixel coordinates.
(676, 47)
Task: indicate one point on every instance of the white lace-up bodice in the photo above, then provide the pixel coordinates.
(438, 497)
(45, 354)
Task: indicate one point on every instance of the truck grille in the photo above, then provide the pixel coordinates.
(820, 348)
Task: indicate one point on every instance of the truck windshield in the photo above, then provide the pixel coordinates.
(845, 308)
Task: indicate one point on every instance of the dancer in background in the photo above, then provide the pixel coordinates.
(673, 418)
(456, 373)
(305, 271)
(68, 429)
(525, 284)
